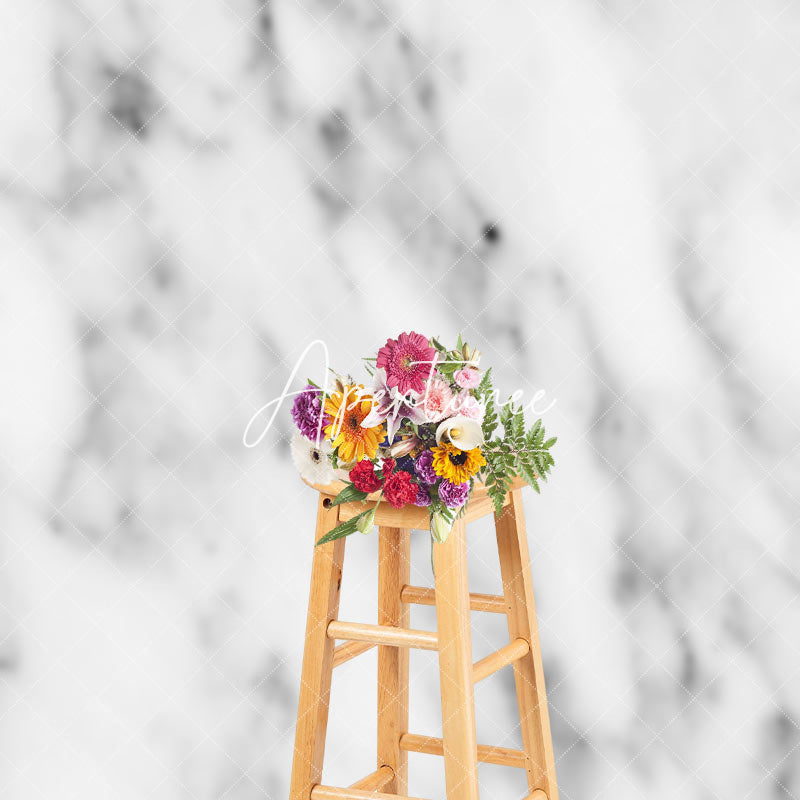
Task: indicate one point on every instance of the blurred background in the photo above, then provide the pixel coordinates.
(602, 196)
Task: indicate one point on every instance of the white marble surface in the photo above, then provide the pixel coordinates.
(191, 191)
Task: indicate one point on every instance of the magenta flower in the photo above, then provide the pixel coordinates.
(408, 361)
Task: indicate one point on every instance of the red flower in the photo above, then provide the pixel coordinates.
(399, 489)
(364, 478)
(388, 466)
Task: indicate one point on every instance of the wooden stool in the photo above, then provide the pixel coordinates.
(393, 637)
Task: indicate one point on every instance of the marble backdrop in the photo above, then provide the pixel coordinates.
(603, 196)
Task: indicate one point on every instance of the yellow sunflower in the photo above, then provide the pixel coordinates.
(457, 466)
(346, 410)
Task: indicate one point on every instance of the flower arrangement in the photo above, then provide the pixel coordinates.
(422, 435)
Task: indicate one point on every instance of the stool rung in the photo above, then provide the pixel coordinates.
(477, 602)
(504, 756)
(375, 781)
(382, 634)
(320, 792)
(499, 659)
(344, 652)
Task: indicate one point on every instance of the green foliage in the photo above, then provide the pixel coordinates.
(485, 386)
(520, 452)
(448, 370)
(345, 528)
(448, 361)
(484, 393)
(440, 348)
(438, 507)
(348, 495)
(497, 476)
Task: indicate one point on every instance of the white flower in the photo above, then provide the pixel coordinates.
(464, 433)
(312, 462)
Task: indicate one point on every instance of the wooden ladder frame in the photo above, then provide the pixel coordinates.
(393, 638)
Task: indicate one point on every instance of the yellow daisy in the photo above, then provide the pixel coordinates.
(346, 410)
(457, 466)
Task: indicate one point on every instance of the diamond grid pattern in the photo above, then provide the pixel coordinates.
(243, 765)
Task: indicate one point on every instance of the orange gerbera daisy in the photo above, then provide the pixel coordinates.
(347, 409)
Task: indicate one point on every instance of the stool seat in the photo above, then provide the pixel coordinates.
(393, 636)
(414, 517)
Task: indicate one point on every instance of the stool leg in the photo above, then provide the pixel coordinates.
(393, 574)
(512, 545)
(455, 666)
(315, 682)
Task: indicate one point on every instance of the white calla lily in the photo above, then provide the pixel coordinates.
(463, 432)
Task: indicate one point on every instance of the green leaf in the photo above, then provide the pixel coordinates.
(448, 370)
(344, 529)
(485, 385)
(490, 419)
(527, 468)
(498, 495)
(348, 495)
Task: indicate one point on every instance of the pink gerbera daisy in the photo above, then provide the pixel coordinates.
(408, 361)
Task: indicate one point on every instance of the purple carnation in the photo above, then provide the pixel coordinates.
(423, 466)
(423, 498)
(306, 411)
(454, 495)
